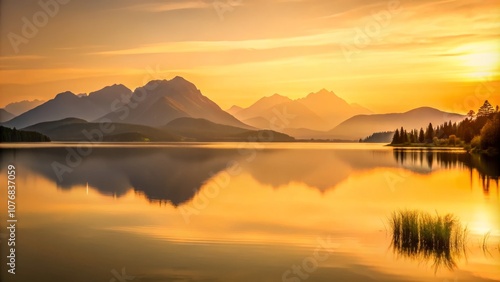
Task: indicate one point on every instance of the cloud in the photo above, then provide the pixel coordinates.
(21, 58)
(218, 46)
(18, 76)
(167, 6)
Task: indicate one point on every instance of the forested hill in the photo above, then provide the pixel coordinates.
(14, 135)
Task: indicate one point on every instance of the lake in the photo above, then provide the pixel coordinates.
(242, 212)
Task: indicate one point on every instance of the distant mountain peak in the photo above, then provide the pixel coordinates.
(234, 109)
(316, 99)
(322, 92)
(423, 109)
(110, 89)
(65, 95)
(176, 82)
(114, 86)
(276, 97)
(179, 78)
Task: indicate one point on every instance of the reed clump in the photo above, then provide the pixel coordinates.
(418, 234)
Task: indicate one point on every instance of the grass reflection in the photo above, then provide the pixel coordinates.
(423, 236)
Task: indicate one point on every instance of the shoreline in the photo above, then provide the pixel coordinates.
(424, 146)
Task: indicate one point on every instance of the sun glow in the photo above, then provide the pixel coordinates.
(483, 223)
(480, 61)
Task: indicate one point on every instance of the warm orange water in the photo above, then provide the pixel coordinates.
(243, 212)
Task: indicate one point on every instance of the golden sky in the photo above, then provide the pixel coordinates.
(388, 56)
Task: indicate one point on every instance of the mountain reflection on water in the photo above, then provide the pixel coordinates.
(175, 174)
(147, 208)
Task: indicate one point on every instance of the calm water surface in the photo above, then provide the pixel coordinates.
(242, 212)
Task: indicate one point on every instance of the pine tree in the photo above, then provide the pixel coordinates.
(421, 136)
(395, 139)
(471, 114)
(429, 134)
(485, 110)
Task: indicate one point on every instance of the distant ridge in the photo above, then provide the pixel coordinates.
(21, 107)
(5, 115)
(361, 126)
(181, 129)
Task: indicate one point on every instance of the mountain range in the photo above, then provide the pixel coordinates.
(67, 104)
(21, 107)
(317, 111)
(176, 110)
(167, 100)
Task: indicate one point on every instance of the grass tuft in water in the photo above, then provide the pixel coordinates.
(417, 234)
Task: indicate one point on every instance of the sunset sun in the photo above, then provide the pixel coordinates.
(480, 62)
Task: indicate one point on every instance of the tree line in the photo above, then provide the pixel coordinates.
(14, 135)
(480, 131)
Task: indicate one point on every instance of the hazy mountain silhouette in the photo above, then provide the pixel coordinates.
(265, 114)
(361, 126)
(262, 105)
(234, 109)
(300, 116)
(331, 108)
(21, 107)
(166, 100)
(5, 115)
(317, 111)
(67, 104)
